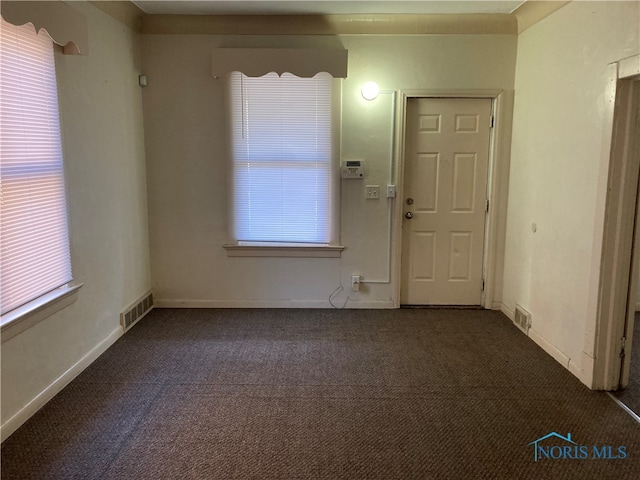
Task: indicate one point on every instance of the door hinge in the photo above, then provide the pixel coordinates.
(486, 207)
(493, 121)
(623, 344)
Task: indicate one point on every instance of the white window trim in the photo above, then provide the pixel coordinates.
(37, 309)
(311, 251)
(22, 318)
(331, 250)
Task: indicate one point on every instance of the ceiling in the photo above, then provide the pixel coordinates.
(326, 7)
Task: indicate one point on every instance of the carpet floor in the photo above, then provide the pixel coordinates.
(323, 394)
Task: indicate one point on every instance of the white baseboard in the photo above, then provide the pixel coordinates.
(178, 303)
(582, 375)
(548, 347)
(508, 311)
(13, 423)
(561, 358)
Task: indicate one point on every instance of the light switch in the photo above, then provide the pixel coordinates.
(372, 191)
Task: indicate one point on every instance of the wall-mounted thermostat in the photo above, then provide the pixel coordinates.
(353, 169)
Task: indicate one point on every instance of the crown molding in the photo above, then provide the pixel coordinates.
(125, 12)
(532, 11)
(329, 24)
(526, 15)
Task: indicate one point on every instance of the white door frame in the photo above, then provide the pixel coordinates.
(615, 216)
(496, 185)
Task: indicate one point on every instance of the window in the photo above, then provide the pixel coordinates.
(34, 248)
(282, 151)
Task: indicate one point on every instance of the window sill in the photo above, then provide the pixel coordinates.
(26, 316)
(329, 251)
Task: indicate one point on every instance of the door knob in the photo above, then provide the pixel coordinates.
(408, 215)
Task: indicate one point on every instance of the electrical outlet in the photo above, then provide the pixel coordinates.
(372, 191)
(355, 282)
(391, 191)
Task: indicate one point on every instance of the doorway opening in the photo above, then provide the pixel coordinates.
(627, 128)
(619, 263)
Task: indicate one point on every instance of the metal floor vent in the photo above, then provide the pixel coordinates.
(522, 319)
(130, 316)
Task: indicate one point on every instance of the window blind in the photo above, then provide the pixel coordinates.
(282, 158)
(34, 250)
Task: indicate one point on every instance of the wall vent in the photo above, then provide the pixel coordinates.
(522, 319)
(130, 316)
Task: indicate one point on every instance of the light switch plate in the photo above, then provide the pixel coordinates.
(372, 191)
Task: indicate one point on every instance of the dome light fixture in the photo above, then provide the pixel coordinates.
(370, 90)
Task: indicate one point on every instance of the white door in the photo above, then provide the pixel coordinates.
(445, 200)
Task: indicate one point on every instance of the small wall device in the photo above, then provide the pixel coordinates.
(352, 169)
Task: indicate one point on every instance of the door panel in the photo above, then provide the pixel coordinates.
(424, 268)
(464, 181)
(460, 245)
(446, 166)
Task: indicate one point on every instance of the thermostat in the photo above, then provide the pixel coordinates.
(352, 169)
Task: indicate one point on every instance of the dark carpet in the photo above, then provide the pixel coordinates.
(321, 394)
(630, 396)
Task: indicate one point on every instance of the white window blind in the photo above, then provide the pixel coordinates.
(282, 158)
(34, 239)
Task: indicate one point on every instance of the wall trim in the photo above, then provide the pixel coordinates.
(351, 304)
(560, 357)
(508, 311)
(531, 12)
(37, 310)
(526, 15)
(374, 24)
(583, 375)
(26, 412)
(327, 251)
(126, 12)
(550, 348)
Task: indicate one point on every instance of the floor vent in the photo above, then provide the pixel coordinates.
(522, 319)
(130, 316)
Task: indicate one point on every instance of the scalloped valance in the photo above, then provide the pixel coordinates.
(65, 25)
(256, 62)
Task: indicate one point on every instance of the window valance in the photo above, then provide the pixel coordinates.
(65, 25)
(256, 62)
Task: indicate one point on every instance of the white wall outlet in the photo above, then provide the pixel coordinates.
(355, 282)
(391, 191)
(372, 191)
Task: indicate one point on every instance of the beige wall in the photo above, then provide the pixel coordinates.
(560, 79)
(561, 75)
(188, 169)
(101, 117)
